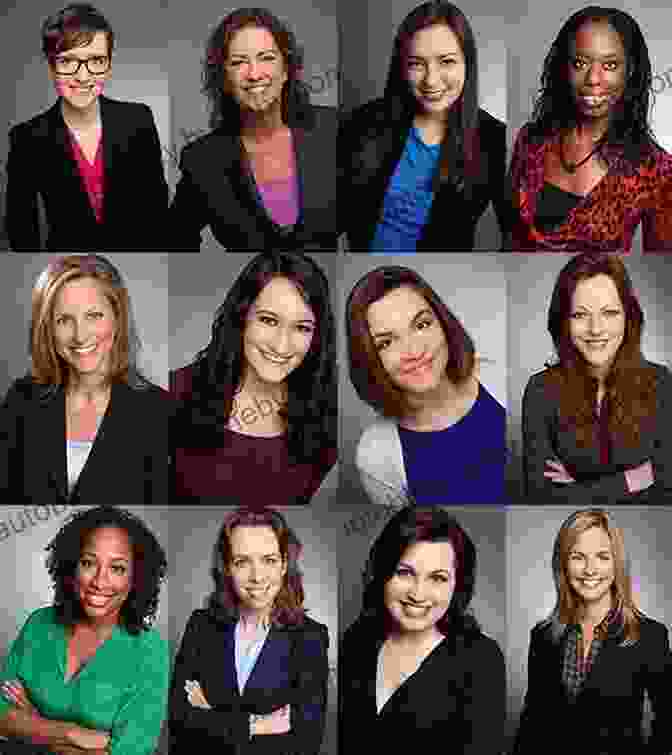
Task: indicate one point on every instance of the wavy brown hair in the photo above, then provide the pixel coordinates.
(223, 602)
(48, 368)
(368, 376)
(567, 607)
(630, 386)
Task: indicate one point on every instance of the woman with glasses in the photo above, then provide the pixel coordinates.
(95, 162)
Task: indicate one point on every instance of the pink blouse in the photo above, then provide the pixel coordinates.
(93, 175)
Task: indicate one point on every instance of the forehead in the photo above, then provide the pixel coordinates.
(593, 539)
(247, 541)
(396, 309)
(251, 40)
(429, 557)
(438, 39)
(80, 293)
(599, 290)
(97, 46)
(599, 38)
(282, 297)
(109, 540)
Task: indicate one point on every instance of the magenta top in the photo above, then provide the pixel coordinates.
(281, 199)
(93, 175)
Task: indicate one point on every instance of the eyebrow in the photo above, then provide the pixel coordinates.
(421, 313)
(609, 56)
(247, 555)
(114, 558)
(59, 312)
(274, 314)
(245, 55)
(438, 55)
(605, 306)
(599, 553)
(410, 568)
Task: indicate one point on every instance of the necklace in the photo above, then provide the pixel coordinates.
(570, 166)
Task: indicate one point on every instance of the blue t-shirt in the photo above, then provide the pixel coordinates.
(462, 464)
(408, 199)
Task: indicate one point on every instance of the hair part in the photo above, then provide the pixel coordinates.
(74, 26)
(223, 601)
(369, 378)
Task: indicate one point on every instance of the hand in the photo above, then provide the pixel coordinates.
(639, 478)
(14, 692)
(195, 695)
(88, 739)
(277, 722)
(556, 471)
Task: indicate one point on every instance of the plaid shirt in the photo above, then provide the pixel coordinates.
(575, 669)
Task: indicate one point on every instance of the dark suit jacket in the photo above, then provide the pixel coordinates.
(127, 463)
(292, 668)
(217, 189)
(544, 438)
(455, 701)
(370, 145)
(136, 193)
(607, 715)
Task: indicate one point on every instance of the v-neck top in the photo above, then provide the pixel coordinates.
(245, 662)
(122, 689)
(92, 174)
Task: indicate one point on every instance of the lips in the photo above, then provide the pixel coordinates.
(273, 359)
(84, 349)
(594, 100)
(258, 592)
(413, 609)
(419, 368)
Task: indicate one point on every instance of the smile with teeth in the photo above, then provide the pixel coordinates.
(84, 349)
(274, 359)
(590, 582)
(415, 610)
(258, 592)
(594, 100)
(421, 369)
(597, 344)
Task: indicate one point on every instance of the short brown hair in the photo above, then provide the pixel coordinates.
(48, 367)
(74, 26)
(368, 376)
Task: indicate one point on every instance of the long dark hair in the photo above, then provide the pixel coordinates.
(224, 110)
(554, 109)
(218, 368)
(459, 159)
(410, 525)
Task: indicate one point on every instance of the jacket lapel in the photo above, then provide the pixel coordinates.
(264, 667)
(50, 431)
(112, 148)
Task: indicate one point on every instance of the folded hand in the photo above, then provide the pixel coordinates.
(195, 695)
(556, 471)
(14, 692)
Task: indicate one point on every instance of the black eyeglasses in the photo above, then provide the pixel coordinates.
(96, 65)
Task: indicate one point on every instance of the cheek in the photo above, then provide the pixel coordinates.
(61, 87)
(98, 87)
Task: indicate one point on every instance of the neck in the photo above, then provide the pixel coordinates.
(259, 126)
(591, 130)
(252, 619)
(433, 127)
(102, 628)
(81, 118)
(89, 387)
(423, 408)
(251, 385)
(414, 641)
(594, 613)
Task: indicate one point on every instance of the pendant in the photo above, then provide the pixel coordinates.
(570, 167)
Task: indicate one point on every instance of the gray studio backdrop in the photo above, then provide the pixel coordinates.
(198, 285)
(146, 276)
(139, 68)
(532, 27)
(190, 25)
(24, 534)
(367, 32)
(531, 281)
(192, 536)
(473, 287)
(530, 590)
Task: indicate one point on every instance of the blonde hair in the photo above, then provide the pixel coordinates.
(566, 610)
(48, 368)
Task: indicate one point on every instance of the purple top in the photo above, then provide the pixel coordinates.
(281, 199)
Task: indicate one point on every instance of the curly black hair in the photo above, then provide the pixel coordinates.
(555, 109)
(218, 368)
(224, 110)
(149, 566)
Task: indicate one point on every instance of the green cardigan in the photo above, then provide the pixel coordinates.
(123, 689)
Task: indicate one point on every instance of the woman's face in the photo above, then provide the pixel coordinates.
(597, 69)
(590, 567)
(279, 330)
(84, 326)
(80, 90)
(104, 575)
(419, 592)
(257, 568)
(409, 339)
(255, 69)
(597, 322)
(435, 68)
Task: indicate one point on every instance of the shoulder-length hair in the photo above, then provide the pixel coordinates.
(48, 368)
(410, 525)
(223, 603)
(567, 607)
(459, 158)
(218, 368)
(224, 110)
(368, 376)
(74, 26)
(149, 566)
(555, 109)
(631, 382)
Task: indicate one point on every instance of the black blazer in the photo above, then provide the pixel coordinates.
(292, 668)
(136, 193)
(370, 145)
(456, 699)
(218, 189)
(606, 718)
(127, 463)
(544, 438)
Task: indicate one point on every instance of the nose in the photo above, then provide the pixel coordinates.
(596, 324)
(594, 74)
(255, 70)
(80, 331)
(281, 342)
(417, 592)
(99, 578)
(431, 78)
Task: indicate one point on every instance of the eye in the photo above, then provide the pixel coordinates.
(414, 64)
(578, 315)
(424, 324)
(448, 61)
(613, 312)
(402, 572)
(578, 63)
(383, 344)
(611, 66)
(268, 320)
(95, 315)
(85, 563)
(440, 578)
(269, 58)
(119, 569)
(305, 328)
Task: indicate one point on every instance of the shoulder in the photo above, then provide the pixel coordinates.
(40, 620)
(663, 374)
(146, 395)
(38, 125)
(359, 635)
(181, 381)
(482, 648)
(25, 391)
(652, 632)
(537, 385)
(310, 631)
(121, 108)
(150, 641)
(200, 150)
(368, 119)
